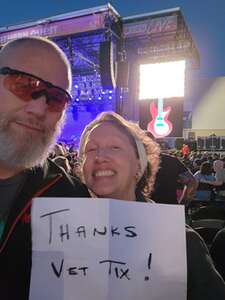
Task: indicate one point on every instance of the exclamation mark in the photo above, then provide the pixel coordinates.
(149, 265)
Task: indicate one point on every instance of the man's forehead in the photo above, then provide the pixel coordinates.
(40, 61)
(29, 54)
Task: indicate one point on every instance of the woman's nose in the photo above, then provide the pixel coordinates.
(102, 153)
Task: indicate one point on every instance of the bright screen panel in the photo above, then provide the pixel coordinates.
(162, 80)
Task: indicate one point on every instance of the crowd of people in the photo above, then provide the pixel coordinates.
(116, 159)
(208, 170)
(196, 175)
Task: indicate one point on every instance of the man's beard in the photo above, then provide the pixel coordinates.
(25, 148)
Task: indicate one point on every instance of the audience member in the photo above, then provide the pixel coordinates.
(195, 165)
(171, 175)
(62, 162)
(219, 182)
(122, 165)
(35, 79)
(117, 171)
(204, 176)
(76, 170)
(185, 150)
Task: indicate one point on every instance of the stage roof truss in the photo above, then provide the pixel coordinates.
(161, 36)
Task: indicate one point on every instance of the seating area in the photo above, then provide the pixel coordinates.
(206, 217)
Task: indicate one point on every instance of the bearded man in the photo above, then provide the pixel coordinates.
(35, 80)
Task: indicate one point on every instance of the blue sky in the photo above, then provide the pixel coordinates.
(205, 19)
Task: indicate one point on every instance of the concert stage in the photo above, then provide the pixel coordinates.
(105, 52)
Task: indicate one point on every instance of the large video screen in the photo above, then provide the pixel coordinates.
(162, 80)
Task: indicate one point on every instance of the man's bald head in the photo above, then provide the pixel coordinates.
(33, 54)
(29, 129)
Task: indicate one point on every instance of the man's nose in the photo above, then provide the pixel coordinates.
(37, 106)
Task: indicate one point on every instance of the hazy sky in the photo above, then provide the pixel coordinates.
(205, 19)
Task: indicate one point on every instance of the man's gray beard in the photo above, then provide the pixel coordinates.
(26, 150)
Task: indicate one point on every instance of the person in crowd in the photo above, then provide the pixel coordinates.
(196, 165)
(59, 150)
(122, 165)
(171, 177)
(35, 80)
(174, 183)
(125, 171)
(219, 178)
(63, 162)
(76, 169)
(185, 150)
(218, 166)
(204, 176)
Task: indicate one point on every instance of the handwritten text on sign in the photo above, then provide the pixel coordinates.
(104, 249)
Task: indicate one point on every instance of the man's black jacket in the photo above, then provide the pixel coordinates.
(15, 247)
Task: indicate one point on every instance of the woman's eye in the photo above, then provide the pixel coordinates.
(90, 150)
(114, 147)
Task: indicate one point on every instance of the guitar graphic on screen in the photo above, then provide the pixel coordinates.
(160, 126)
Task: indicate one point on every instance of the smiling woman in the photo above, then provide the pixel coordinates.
(118, 160)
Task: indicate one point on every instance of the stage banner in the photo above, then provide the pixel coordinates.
(167, 24)
(57, 28)
(103, 249)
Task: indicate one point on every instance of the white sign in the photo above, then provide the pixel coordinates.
(103, 249)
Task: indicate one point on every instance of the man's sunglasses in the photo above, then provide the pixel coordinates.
(28, 87)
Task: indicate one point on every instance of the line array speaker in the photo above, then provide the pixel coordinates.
(107, 65)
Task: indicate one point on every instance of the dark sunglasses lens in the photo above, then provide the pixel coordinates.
(20, 85)
(25, 86)
(57, 99)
